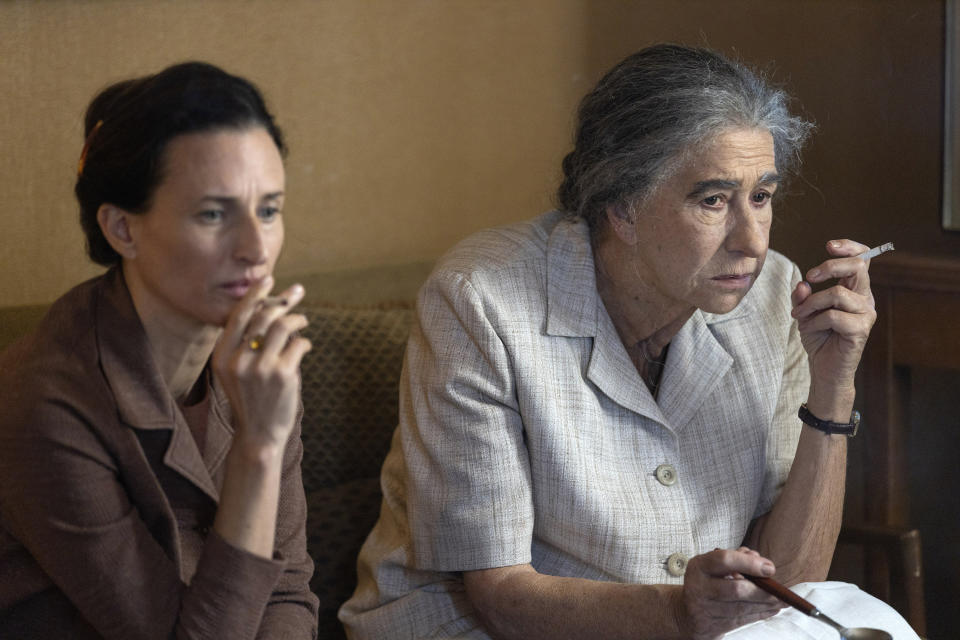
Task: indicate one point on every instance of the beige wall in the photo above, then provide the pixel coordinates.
(415, 122)
(411, 123)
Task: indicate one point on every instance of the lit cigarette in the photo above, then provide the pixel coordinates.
(273, 301)
(876, 251)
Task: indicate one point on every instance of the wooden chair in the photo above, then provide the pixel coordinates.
(918, 303)
(890, 567)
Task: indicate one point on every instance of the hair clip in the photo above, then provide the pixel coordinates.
(86, 147)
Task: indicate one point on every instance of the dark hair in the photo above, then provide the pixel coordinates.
(127, 128)
(648, 113)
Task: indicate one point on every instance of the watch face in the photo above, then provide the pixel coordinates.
(855, 421)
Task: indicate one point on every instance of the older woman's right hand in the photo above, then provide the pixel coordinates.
(716, 596)
(263, 383)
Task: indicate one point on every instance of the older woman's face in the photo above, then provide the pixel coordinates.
(701, 239)
(214, 226)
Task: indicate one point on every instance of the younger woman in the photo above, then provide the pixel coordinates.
(149, 439)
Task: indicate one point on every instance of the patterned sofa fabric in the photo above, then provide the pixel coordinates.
(350, 387)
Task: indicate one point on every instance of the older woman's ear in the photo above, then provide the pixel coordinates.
(114, 225)
(622, 222)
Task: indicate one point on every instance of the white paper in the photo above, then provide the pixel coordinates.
(842, 602)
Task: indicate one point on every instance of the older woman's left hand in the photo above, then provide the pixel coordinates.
(835, 322)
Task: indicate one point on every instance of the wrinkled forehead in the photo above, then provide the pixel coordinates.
(728, 159)
(222, 163)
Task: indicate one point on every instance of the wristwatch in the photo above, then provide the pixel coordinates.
(848, 429)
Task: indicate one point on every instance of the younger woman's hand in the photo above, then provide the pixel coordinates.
(257, 360)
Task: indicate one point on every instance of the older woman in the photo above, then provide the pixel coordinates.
(149, 442)
(599, 427)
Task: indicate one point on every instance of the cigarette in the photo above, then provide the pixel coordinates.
(876, 251)
(273, 301)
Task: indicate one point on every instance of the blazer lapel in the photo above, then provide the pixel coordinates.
(219, 430)
(574, 309)
(184, 457)
(615, 374)
(696, 364)
(143, 401)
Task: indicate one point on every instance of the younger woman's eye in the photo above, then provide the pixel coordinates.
(210, 215)
(269, 213)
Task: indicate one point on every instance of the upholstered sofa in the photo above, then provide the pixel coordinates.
(359, 322)
(350, 382)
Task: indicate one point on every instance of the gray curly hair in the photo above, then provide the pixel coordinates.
(651, 111)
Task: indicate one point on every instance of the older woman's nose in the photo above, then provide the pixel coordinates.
(750, 234)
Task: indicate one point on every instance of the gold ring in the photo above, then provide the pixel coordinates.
(256, 342)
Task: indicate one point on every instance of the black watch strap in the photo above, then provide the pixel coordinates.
(848, 429)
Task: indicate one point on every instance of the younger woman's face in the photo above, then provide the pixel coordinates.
(213, 229)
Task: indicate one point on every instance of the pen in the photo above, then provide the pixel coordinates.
(876, 251)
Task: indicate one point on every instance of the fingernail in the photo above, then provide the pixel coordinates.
(813, 275)
(767, 569)
(835, 244)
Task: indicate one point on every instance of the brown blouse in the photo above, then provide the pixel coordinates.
(106, 502)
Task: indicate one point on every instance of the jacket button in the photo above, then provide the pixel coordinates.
(666, 475)
(677, 564)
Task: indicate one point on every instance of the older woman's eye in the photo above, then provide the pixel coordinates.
(269, 213)
(760, 197)
(712, 201)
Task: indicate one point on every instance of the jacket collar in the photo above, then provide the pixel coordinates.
(143, 400)
(572, 296)
(696, 363)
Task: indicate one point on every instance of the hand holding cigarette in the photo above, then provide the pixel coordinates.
(258, 362)
(273, 301)
(835, 322)
(271, 313)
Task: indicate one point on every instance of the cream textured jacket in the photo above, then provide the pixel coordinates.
(527, 435)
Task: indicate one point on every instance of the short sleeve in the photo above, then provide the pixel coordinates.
(468, 486)
(784, 432)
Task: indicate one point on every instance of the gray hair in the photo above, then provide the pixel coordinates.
(651, 111)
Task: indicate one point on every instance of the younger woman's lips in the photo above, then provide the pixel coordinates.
(237, 289)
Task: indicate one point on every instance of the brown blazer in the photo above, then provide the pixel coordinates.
(106, 502)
